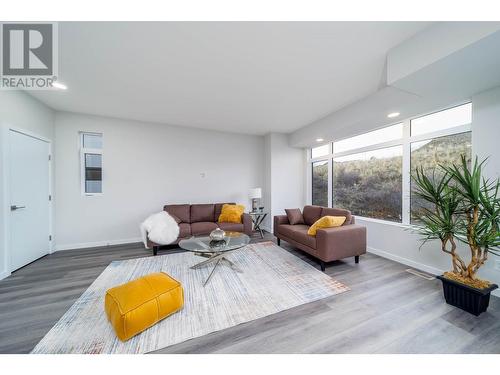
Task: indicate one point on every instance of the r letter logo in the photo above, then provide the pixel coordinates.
(29, 59)
(27, 49)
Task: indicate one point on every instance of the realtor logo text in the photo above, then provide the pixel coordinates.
(29, 56)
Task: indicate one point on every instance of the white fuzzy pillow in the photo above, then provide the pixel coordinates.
(160, 228)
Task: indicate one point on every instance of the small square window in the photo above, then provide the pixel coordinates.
(93, 141)
(319, 151)
(93, 187)
(389, 133)
(449, 118)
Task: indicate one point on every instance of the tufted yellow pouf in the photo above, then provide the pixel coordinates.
(139, 304)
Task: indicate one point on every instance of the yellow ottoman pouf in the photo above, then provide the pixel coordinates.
(139, 304)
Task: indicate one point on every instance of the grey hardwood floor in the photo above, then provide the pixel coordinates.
(388, 310)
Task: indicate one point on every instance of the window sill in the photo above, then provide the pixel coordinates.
(380, 221)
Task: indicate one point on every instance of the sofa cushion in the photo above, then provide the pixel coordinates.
(231, 227)
(294, 216)
(218, 209)
(182, 211)
(177, 220)
(203, 227)
(202, 212)
(311, 214)
(298, 233)
(326, 222)
(231, 213)
(337, 212)
(184, 230)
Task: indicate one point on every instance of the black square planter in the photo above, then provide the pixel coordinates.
(472, 300)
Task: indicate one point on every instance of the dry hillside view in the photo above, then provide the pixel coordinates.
(370, 184)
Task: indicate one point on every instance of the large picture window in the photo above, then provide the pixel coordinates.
(371, 172)
(369, 183)
(430, 152)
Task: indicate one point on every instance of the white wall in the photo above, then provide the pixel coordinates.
(486, 129)
(285, 176)
(19, 110)
(397, 242)
(485, 143)
(145, 166)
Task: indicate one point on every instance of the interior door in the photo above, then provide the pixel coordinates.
(29, 199)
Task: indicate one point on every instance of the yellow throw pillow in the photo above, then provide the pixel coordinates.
(326, 222)
(231, 213)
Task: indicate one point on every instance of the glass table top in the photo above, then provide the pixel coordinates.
(232, 241)
(258, 212)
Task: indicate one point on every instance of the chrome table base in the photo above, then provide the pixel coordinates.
(218, 258)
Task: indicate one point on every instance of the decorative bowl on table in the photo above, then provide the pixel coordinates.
(217, 235)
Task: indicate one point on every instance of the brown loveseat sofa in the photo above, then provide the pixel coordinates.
(330, 243)
(201, 219)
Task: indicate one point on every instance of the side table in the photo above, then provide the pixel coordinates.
(257, 219)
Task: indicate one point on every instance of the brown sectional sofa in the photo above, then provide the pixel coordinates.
(330, 243)
(201, 219)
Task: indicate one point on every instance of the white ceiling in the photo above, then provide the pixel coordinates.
(443, 66)
(246, 77)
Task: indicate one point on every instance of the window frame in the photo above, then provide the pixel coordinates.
(94, 151)
(405, 141)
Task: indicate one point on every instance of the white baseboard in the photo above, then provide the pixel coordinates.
(96, 244)
(4, 274)
(413, 264)
(408, 262)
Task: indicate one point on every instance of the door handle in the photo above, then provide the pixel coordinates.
(13, 208)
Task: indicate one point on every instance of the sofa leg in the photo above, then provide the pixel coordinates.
(278, 241)
(155, 250)
(322, 264)
(356, 259)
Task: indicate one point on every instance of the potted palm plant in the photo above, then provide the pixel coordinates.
(461, 206)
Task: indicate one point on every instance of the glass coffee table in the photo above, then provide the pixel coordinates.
(215, 251)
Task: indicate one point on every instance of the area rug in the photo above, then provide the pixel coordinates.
(272, 280)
